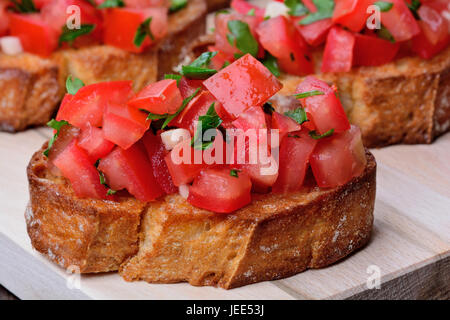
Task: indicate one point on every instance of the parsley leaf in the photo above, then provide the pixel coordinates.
(24, 6)
(385, 34)
(242, 38)
(174, 77)
(234, 173)
(308, 94)
(210, 120)
(177, 5)
(271, 63)
(73, 85)
(183, 105)
(313, 134)
(268, 108)
(111, 4)
(69, 35)
(251, 12)
(198, 68)
(298, 115)
(103, 180)
(384, 6)
(142, 32)
(414, 6)
(324, 10)
(296, 7)
(57, 125)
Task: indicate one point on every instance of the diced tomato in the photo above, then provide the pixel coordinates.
(66, 135)
(432, 24)
(283, 41)
(93, 140)
(295, 152)
(314, 33)
(284, 124)
(76, 166)
(326, 110)
(87, 106)
(156, 153)
(40, 3)
(425, 49)
(181, 165)
(124, 125)
(339, 158)
(373, 51)
(198, 106)
(188, 86)
(221, 23)
(35, 35)
(338, 54)
(216, 190)
(219, 60)
(162, 97)
(243, 84)
(121, 25)
(351, 14)
(400, 21)
(131, 169)
(140, 4)
(252, 118)
(243, 7)
(4, 19)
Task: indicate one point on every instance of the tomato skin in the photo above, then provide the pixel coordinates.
(422, 46)
(124, 125)
(35, 35)
(243, 84)
(284, 124)
(326, 110)
(161, 97)
(76, 166)
(216, 190)
(315, 33)
(121, 25)
(351, 14)
(373, 51)
(283, 41)
(189, 86)
(244, 7)
(400, 21)
(338, 54)
(295, 152)
(87, 106)
(131, 169)
(252, 118)
(156, 153)
(93, 141)
(4, 18)
(339, 158)
(219, 60)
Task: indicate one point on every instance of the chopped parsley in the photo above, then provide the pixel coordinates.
(210, 120)
(308, 94)
(251, 12)
(103, 180)
(111, 4)
(198, 69)
(57, 125)
(384, 6)
(324, 10)
(413, 7)
(142, 32)
(313, 134)
(24, 6)
(69, 35)
(296, 7)
(271, 63)
(176, 5)
(234, 173)
(241, 37)
(298, 115)
(385, 34)
(174, 77)
(183, 105)
(73, 85)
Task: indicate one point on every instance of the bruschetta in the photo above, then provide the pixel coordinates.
(197, 178)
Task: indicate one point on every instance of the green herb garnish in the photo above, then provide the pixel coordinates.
(251, 12)
(24, 6)
(57, 125)
(242, 38)
(183, 105)
(313, 134)
(298, 115)
(296, 7)
(325, 10)
(174, 77)
(308, 94)
(385, 34)
(103, 180)
(73, 85)
(69, 35)
(198, 69)
(142, 32)
(268, 108)
(413, 7)
(111, 4)
(271, 63)
(384, 6)
(210, 120)
(234, 173)
(177, 5)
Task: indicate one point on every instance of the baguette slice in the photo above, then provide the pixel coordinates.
(32, 86)
(169, 240)
(214, 5)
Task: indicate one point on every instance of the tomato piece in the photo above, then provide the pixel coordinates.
(351, 14)
(243, 84)
(40, 3)
(338, 53)
(87, 106)
(314, 33)
(432, 24)
(284, 124)
(220, 59)
(35, 35)
(156, 153)
(93, 140)
(162, 97)
(339, 158)
(326, 110)
(189, 86)
(243, 7)
(4, 19)
(252, 118)
(400, 21)
(121, 25)
(424, 48)
(124, 125)
(131, 169)
(84, 178)
(141, 4)
(295, 152)
(373, 51)
(279, 36)
(197, 107)
(216, 190)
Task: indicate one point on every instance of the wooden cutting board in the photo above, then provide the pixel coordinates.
(410, 246)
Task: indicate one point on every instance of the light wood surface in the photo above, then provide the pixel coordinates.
(410, 243)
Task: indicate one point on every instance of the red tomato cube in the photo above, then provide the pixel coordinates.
(400, 21)
(216, 190)
(4, 19)
(162, 97)
(338, 54)
(316, 32)
(93, 140)
(284, 124)
(351, 14)
(373, 51)
(252, 118)
(243, 84)
(189, 86)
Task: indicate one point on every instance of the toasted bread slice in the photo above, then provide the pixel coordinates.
(171, 241)
(32, 86)
(214, 5)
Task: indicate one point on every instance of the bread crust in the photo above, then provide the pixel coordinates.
(214, 5)
(171, 241)
(32, 87)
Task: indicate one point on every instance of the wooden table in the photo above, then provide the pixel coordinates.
(410, 244)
